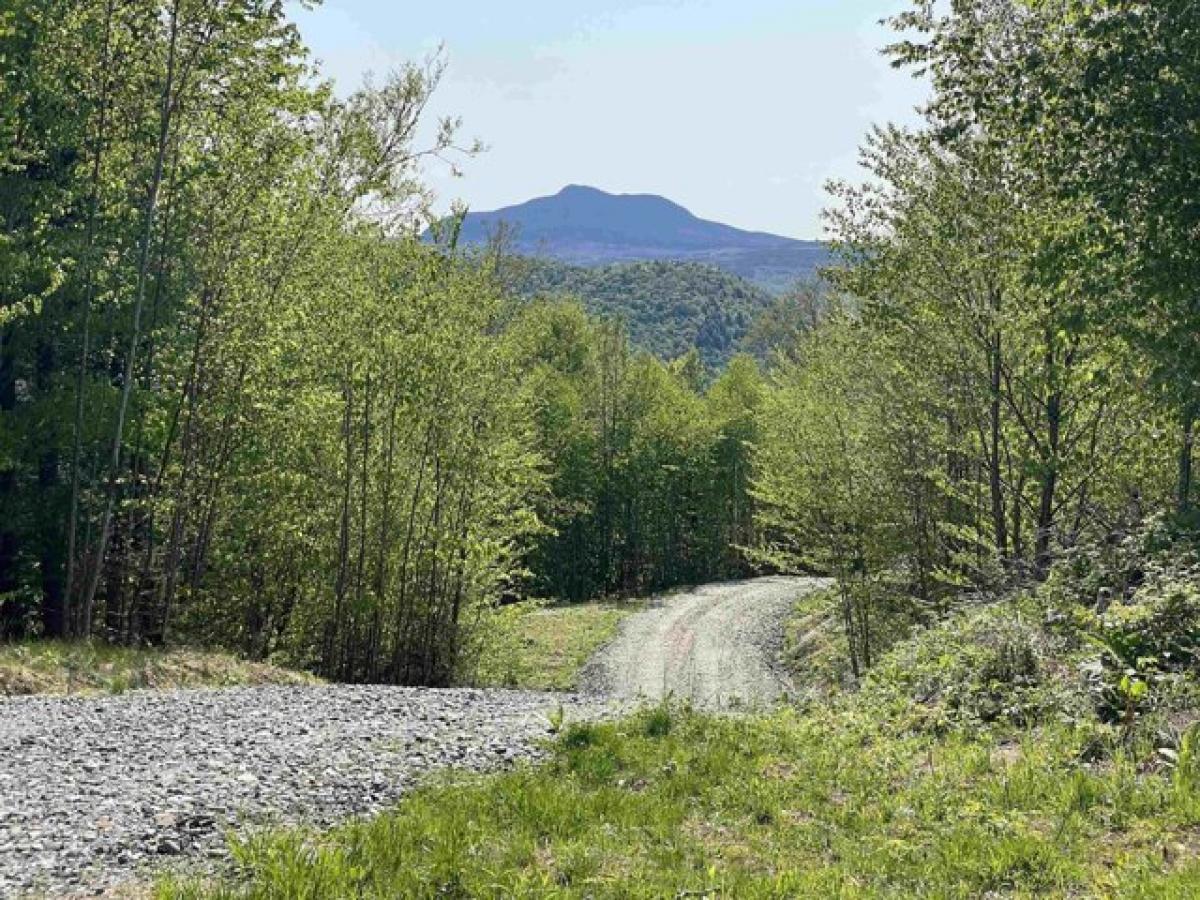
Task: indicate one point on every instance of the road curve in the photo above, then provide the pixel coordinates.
(717, 646)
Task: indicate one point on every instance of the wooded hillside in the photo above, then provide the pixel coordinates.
(669, 308)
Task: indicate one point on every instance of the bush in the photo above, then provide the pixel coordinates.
(1148, 648)
(988, 665)
(1115, 570)
(1159, 630)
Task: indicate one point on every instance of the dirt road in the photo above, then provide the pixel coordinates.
(717, 646)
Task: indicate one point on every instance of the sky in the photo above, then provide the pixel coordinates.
(738, 109)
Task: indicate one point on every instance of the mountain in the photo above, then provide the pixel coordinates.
(584, 226)
(669, 307)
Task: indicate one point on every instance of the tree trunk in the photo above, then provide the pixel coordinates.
(147, 241)
(85, 323)
(995, 482)
(54, 620)
(11, 617)
(1187, 444)
(1049, 487)
(848, 625)
(331, 653)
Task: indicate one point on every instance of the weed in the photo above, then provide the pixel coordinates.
(58, 667)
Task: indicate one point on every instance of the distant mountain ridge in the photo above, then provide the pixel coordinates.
(585, 226)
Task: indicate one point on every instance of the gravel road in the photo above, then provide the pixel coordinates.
(94, 790)
(717, 646)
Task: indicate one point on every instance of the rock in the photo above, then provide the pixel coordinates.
(92, 789)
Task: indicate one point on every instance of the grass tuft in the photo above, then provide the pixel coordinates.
(59, 667)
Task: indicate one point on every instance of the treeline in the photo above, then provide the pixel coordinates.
(1020, 374)
(241, 403)
(231, 409)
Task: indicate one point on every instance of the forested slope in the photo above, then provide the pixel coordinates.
(669, 308)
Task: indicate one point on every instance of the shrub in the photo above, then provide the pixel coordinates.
(1130, 606)
(987, 665)
(1117, 568)
(1148, 649)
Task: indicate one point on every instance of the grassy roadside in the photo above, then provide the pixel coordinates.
(58, 667)
(814, 644)
(544, 647)
(672, 803)
(536, 647)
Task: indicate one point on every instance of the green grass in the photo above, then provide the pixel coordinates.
(671, 803)
(544, 647)
(814, 644)
(58, 667)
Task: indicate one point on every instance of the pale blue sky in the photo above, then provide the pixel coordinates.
(738, 109)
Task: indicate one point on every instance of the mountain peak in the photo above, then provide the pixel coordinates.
(587, 194)
(585, 225)
(582, 190)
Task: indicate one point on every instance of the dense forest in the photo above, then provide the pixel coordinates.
(1017, 385)
(243, 403)
(649, 468)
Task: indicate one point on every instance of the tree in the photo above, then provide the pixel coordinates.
(828, 499)
(1095, 102)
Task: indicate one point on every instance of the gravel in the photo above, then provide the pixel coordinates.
(717, 646)
(100, 792)
(96, 791)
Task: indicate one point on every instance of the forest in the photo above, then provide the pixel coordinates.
(668, 307)
(1015, 385)
(243, 403)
